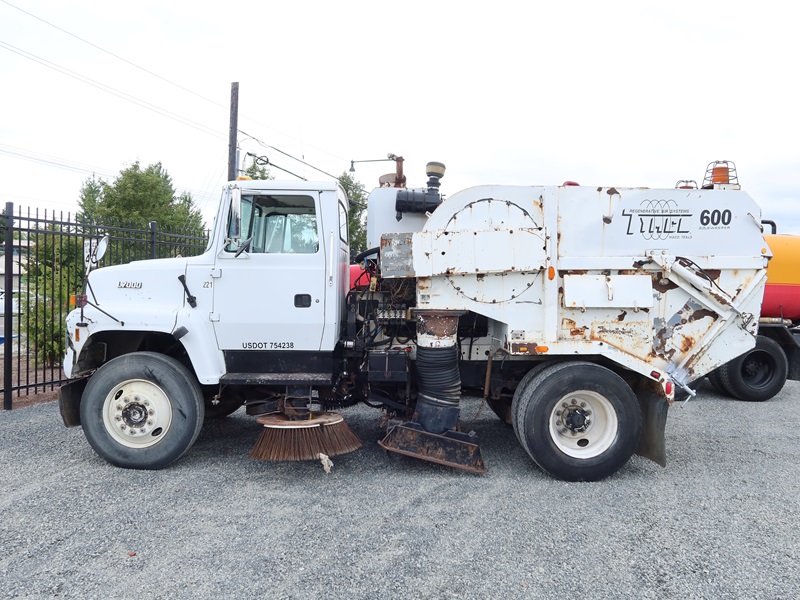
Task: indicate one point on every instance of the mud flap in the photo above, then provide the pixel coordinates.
(451, 448)
(652, 444)
(69, 401)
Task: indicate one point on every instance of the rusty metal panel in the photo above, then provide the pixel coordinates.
(453, 449)
(396, 258)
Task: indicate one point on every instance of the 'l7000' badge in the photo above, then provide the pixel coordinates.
(131, 285)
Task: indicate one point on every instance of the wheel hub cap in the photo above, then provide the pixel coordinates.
(137, 413)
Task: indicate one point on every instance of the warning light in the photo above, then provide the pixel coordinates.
(720, 172)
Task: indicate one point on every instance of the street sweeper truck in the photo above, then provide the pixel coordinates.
(575, 312)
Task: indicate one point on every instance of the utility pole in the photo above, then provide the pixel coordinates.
(233, 131)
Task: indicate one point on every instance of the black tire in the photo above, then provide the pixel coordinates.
(142, 410)
(757, 375)
(716, 382)
(521, 392)
(604, 428)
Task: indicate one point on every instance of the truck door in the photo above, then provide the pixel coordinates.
(271, 297)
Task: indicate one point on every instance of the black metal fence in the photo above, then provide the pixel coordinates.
(44, 266)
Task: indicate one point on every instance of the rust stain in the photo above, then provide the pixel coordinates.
(720, 299)
(662, 284)
(702, 314)
(613, 330)
(573, 272)
(437, 324)
(687, 343)
(622, 315)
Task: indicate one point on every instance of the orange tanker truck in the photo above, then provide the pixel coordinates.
(760, 374)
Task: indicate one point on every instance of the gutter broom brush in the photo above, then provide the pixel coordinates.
(321, 433)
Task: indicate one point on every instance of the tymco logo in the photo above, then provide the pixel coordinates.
(658, 220)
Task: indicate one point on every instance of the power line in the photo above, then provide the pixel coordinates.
(53, 161)
(125, 60)
(93, 45)
(139, 101)
(265, 145)
(63, 163)
(113, 91)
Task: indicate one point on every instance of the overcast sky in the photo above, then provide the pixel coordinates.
(627, 93)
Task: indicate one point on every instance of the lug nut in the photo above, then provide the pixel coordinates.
(583, 404)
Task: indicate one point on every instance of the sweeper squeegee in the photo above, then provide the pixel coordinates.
(303, 439)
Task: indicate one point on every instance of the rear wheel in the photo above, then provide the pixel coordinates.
(757, 375)
(716, 382)
(142, 410)
(578, 421)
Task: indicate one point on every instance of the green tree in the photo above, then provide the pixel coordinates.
(55, 271)
(139, 196)
(258, 170)
(91, 193)
(357, 226)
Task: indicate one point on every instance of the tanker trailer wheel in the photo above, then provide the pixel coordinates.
(578, 421)
(757, 375)
(142, 410)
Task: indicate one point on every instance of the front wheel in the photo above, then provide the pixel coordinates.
(142, 410)
(578, 421)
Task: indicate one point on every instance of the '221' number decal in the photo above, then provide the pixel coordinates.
(715, 217)
(206, 284)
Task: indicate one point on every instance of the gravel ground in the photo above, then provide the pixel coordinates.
(720, 521)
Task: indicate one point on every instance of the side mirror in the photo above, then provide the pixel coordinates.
(235, 220)
(94, 251)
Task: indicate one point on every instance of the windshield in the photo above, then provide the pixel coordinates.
(279, 224)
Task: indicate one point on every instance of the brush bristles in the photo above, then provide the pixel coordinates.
(304, 443)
